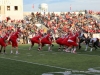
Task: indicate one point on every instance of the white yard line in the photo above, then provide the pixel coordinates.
(34, 63)
(90, 70)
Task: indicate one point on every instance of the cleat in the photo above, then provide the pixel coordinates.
(11, 53)
(67, 51)
(74, 52)
(39, 49)
(29, 48)
(59, 49)
(50, 50)
(17, 53)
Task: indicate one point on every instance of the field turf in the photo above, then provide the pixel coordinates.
(43, 62)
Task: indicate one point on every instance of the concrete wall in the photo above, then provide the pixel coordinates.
(12, 13)
(28, 13)
(96, 35)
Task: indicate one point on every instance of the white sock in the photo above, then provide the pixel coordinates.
(11, 51)
(74, 50)
(86, 47)
(16, 52)
(49, 48)
(66, 48)
(91, 49)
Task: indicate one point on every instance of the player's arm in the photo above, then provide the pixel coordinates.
(77, 39)
(40, 40)
(93, 43)
(9, 36)
(50, 39)
(18, 35)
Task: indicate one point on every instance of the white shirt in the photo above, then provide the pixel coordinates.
(69, 40)
(81, 35)
(93, 39)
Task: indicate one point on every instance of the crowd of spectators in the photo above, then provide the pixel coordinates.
(66, 21)
(63, 22)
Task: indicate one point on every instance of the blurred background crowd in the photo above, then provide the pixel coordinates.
(63, 23)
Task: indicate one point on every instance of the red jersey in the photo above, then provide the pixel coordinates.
(5, 37)
(47, 36)
(14, 35)
(37, 37)
(73, 38)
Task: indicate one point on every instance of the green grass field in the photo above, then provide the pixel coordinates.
(43, 62)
